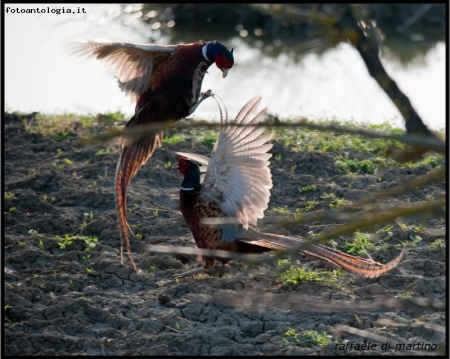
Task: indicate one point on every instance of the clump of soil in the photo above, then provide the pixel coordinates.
(67, 294)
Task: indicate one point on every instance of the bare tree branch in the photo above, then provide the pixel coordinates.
(368, 49)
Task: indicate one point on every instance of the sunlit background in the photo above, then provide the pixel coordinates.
(41, 75)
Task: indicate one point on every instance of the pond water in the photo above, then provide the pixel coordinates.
(41, 74)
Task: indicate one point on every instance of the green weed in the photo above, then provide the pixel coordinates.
(87, 216)
(92, 185)
(405, 294)
(364, 166)
(209, 140)
(296, 275)
(334, 201)
(360, 244)
(174, 139)
(308, 188)
(60, 136)
(103, 151)
(308, 338)
(64, 241)
(438, 243)
(152, 270)
(310, 206)
(8, 195)
(57, 165)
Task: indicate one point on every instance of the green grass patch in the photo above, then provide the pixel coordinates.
(61, 126)
(309, 206)
(109, 118)
(103, 151)
(438, 243)
(333, 200)
(365, 166)
(308, 188)
(430, 160)
(405, 294)
(297, 275)
(66, 240)
(308, 140)
(360, 244)
(58, 127)
(207, 140)
(313, 140)
(307, 338)
(8, 195)
(174, 139)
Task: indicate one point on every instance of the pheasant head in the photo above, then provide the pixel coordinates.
(191, 172)
(215, 52)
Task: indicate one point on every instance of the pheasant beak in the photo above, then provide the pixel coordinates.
(224, 72)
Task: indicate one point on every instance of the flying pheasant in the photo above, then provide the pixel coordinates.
(236, 188)
(165, 82)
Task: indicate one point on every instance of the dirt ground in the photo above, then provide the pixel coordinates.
(75, 301)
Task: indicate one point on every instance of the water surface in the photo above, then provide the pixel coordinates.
(41, 75)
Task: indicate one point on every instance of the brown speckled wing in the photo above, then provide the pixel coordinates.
(181, 64)
(194, 210)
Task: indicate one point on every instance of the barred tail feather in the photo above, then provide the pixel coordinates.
(365, 267)
(132, 157)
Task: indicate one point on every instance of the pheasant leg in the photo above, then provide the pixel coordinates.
(204, 96)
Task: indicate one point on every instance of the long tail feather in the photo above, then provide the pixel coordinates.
(364, 267)
(132, 157)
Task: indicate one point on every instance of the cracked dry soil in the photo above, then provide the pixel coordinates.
(74, 301)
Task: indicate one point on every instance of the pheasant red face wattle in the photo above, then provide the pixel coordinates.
(183, 165)
(224, 64)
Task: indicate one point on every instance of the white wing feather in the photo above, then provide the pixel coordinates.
(132, 64)
(200, 159)
(238, 177)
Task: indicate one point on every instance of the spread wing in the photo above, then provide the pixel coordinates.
(132, 64)
(238, 177)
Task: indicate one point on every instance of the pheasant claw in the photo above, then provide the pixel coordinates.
(204, 96)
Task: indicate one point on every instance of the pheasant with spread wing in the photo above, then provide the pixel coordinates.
(165, 82)
(236, 188)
